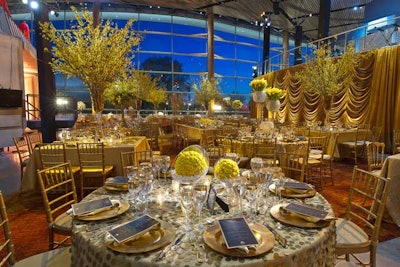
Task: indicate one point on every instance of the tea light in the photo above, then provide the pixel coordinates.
(160, 197)
(175, 186)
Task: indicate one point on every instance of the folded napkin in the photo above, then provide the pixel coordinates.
(115, 203)
(295, 187)
(306, 213)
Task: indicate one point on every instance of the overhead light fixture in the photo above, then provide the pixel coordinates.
(52, 12)
(34, 4)
(25, 2)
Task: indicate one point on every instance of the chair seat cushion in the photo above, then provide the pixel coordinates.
(56, 258)
(349, 235)
(352, 143)
(95, 169)
(63, 223)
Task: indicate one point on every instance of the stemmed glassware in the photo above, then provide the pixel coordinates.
(187, 193)
(145, 183)
(164, 164)
(156, 165)
(256, 164)
(132, 173)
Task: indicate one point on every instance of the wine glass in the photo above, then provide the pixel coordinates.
(256, 164)
(164, 164)
(186, 197)
(156, 165)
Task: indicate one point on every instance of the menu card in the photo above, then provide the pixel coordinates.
(134, 229)
(117, 180)
(306, 211)
(237, 233)
(296, 186)
(97, 205)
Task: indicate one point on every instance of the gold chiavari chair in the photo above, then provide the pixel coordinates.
(53, 154)
(293, 161)
(134, 158)
(358, 231)
(92, 165)
(356, 148)
(58, 257)
(396, 141)
(22, 146)
(375, 156)
(34, 139)
(317, 147)
(58, 189)
(266, 149)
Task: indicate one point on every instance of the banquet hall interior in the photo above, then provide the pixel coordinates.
(192, 95)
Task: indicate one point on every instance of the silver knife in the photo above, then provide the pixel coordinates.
(281, 240)
(170, 246)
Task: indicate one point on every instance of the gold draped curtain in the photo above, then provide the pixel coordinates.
(373, 95)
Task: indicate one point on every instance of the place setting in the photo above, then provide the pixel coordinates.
(301, 215)
(98, 209)
(293, 189)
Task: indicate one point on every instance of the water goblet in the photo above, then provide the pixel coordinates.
(186, 197)
(156, 165)
(164, 164)
(145, 185)
(133, 182)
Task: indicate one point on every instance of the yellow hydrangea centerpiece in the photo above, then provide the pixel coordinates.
(274, 93)
(190, 163)
(226, 169)
(237, 104)
(258, 84)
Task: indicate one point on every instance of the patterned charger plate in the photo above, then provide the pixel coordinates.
(150, 241)
(214, 239)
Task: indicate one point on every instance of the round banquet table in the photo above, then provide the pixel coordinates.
(305, 247)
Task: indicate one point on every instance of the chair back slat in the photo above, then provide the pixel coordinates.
(6, 243)
(33, 140)
(367, 198)
(52, 154)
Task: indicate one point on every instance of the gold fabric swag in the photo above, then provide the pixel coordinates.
(372, 98)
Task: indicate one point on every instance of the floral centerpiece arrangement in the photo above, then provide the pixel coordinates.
(226, 169)
(258, 84)
(237, 104)
(205, 122)
(274, 93)
(81, 105)
(191, 162)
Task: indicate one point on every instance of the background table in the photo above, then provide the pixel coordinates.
(111, 157)
(391, 168)
(313, 247)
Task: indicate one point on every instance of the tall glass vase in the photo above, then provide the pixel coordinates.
(99, 127)
(273, 106)
(259, 97)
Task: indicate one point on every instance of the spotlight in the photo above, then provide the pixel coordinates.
(25, 2)
(52, 12)
(255, 71)
(34, 4)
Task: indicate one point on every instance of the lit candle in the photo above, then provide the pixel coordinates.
(175, 186)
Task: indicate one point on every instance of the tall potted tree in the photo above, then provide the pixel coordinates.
(326, 76)
(207, 91)
(97, 54)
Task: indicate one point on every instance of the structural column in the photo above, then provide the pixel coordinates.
(324, 17)
(210, 52)
(47, 88)
(266, 45)
(285, 52)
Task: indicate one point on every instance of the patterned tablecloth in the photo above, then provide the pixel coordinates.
(111, 157)
(391, 168)
(305, 247)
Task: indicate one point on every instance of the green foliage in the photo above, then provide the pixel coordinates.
(98, 55)
(326, 76)
(207, 90)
